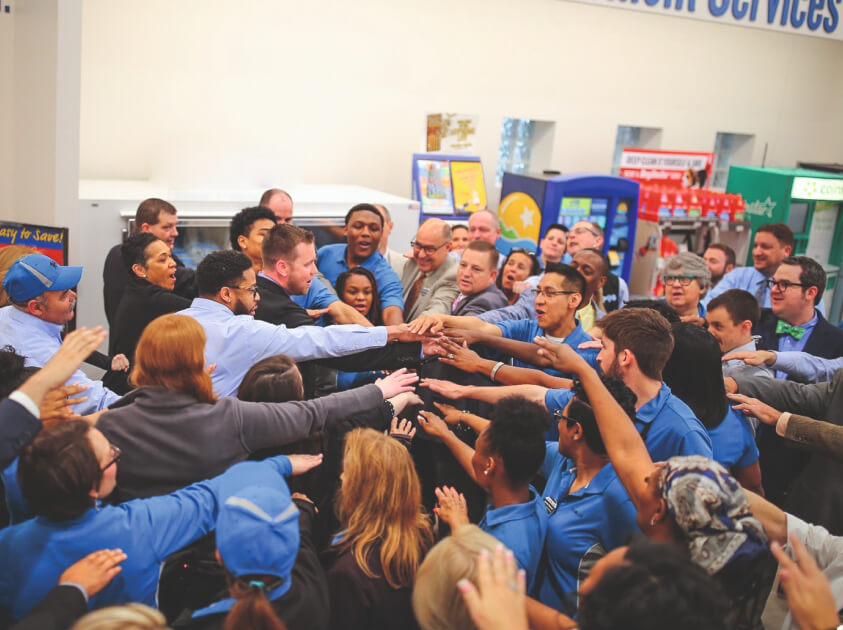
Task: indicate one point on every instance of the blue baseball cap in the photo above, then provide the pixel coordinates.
(31, 275)
(258, 532)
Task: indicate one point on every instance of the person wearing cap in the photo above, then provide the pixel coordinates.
(264, 543)
(43, 301)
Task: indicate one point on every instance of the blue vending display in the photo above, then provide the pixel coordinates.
(530, 203)
(448, 187)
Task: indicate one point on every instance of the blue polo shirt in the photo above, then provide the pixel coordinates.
(733, 442)
(521, 528)
(331, 262)
(528, 329)
(668, 425)
(582, 528)
(317, 296)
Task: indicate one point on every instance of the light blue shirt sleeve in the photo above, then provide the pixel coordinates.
(807, 367)
(524, 308)
(517, 330)
(317, 296)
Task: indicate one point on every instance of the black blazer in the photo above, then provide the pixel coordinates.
(826, 341)
(276, 307)
(62, 606)
(17, 429)
(488, 299)
(115, 277)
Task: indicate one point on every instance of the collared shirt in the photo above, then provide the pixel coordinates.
(317, 296)
(738, 367)
(807, 368)
(38, 341)
(236, 342)
(583, 527)
(668, 424)
(733, 441)
(746, 278)
(527, 329)
(788, 344)
(331, 262)
(521, 528)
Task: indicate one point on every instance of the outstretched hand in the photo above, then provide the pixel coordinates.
(426, 324)
(752, 357)
(94, 571)
(451, 414)
(460, 356)
(445, 388)
(452, 507)
(754, 407)
(303, 463)
(432, 424)
(403, 429)
(499, 600)
(398, 382)
(560, 356)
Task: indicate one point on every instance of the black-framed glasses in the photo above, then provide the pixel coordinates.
(558, 415)
(683, 280)
(782, 285)
(254, 289)
(116, 453)
(427, 249)
(550, 293)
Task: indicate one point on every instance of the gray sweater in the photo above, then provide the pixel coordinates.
(169, 440)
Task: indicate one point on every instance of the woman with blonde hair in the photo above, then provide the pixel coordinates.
(172, 430)
(385, 534)
(128, 617)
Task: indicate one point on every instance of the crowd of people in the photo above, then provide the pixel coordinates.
(433, 436)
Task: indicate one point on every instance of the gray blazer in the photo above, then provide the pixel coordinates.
(170, 440)
(488, 299)
(438, 291)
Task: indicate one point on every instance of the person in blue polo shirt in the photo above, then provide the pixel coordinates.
(636, 345)
(558, 296)
(363, 230)
(508, 453)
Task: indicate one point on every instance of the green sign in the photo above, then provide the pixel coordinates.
(820, 189)
(576, 206)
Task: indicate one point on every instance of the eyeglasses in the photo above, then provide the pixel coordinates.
(584, 230)
(549, 293)
(253, 289)
(427, 249)
(115, 457)
(782, 285)
(684, 280)
(558, 415)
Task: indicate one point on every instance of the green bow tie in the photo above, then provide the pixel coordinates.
(794, 331)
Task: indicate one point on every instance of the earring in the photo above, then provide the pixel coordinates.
(653, 522)
(486, 472)
(143, 276)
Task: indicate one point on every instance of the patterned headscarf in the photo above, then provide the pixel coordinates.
(710, 507)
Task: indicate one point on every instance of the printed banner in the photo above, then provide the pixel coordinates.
(452, 133)
(670, 168)
(50, 241)
(815, 18)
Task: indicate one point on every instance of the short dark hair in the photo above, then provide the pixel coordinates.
(642, 331)
(607, 266)
(13, 371)
(741, 306)
(516, 433)
(281, 240)
(363, 207)
(220, 269)
(273, 379)
(731, 257)
(573, 279)
(812, 274)
(656, 305)
(460, 226)
(375, 312)
(555, 226)
(694, 373)
(242, 222)
(58, 470)
(781, 231)
(486, 248)
(581, 412)
(535, 265)
(267, 196)
(149, 211)
(656, 588)
(133, 251)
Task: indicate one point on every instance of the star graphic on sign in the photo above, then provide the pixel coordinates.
(527, 217)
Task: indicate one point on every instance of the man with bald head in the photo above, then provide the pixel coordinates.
(280, 202)
(483, 225)
(429, 277)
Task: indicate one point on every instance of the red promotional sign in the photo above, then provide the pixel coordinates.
(670, 168)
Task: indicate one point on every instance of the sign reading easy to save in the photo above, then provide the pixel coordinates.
(817, 18)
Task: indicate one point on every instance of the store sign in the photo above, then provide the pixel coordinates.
(452, 133)
(50, 241)
(819, 189)
(816, 18)
(648, 166)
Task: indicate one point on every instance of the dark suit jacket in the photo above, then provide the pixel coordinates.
(488, 299)
(825, 341)
(276, 307)
(115, 277)
(17, 429)
(815, 494)
(62, 606)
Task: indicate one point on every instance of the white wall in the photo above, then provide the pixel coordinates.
(7, 83)
(210, 93)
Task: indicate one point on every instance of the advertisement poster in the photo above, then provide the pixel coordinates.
(434, 177)
(452, 133)
(669, 168)
(469, 187)
(50, 241)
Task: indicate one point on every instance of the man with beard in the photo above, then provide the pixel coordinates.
(363, 232)
(637, 343)
(43, 301)
(235, 340)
